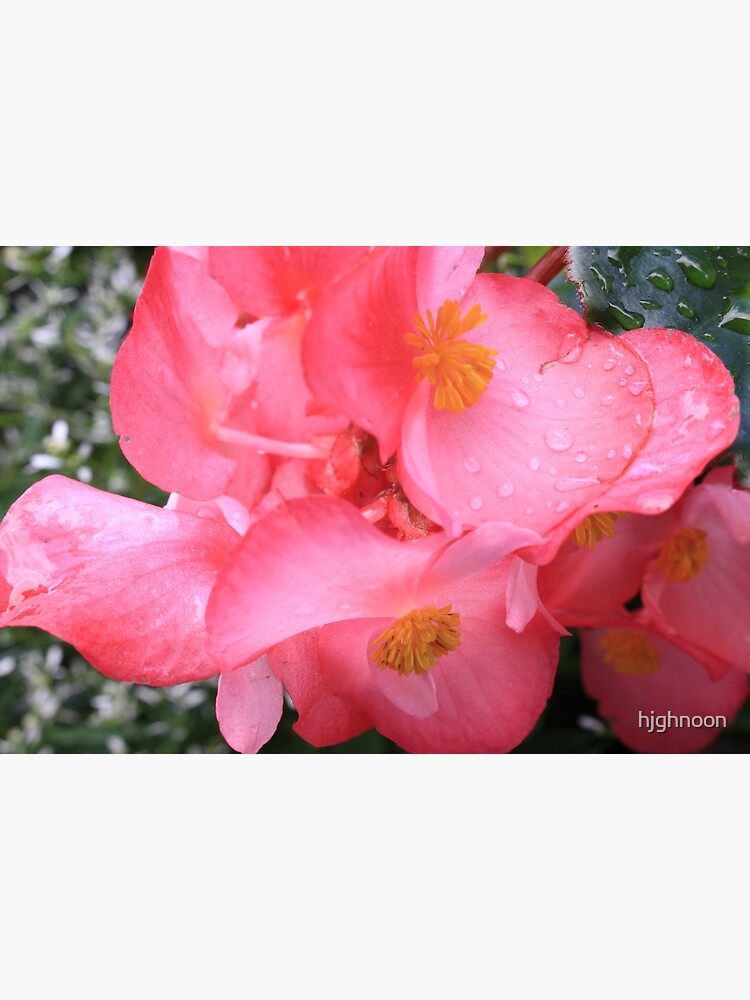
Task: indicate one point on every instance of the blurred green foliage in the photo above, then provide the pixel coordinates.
(64, 312)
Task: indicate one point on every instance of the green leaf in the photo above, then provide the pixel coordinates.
(704, 291)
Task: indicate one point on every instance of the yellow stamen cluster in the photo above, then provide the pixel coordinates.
(596, 526)
(413, 643)
(684, 555)
(459, 370)
(630, 653)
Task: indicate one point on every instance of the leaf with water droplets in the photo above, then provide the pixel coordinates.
(704, 291)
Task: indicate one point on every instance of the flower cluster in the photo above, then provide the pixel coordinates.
(395, 482)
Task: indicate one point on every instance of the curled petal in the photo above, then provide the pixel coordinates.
(124, 582)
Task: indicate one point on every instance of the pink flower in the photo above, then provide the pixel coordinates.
(409, 637)
(656, 697)
(208, 387)
(504, 405)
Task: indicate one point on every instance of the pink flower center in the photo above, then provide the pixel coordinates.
(629, 652)
(684, 555)
(413, 643)
(459, 370)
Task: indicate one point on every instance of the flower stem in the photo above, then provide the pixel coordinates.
(548, 266)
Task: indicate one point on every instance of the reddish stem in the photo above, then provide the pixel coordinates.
(548, 266)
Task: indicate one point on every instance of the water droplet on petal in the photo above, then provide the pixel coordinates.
(562, 507)
(506, 490)
(475, 503)
(580, 457)
(472, 464)
(534, 463)
(500, 364)
(558, 439)
(520, 399)
(636, 388)
(607, 400)
(560, 403)
(611, 453)
(578, 392)
(568, 485)
(622, 381)
(345, 606)
(655, 503)
(627, 451)
(629, 370)
(609, 364)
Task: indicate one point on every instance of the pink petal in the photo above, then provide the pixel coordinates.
(444, 274)
(490, 691)
(249, 703)
(307, 563)
(553, 429)
(354, 353)
(278, 281)
(582, 584)
(324, 718)
(167, 392)
(124, 582)
(680, 686)
(709, 614)
(696, 417)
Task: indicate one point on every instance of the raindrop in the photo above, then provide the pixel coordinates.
(609, 364)
(636, 388)
(622, 381)
(737, 320)
(628, 320)
(525, 379)
(520, 399)
(500, 364)
(629, 370)
(558, 439)
(560, 403)
(573, 355)
(648, 304)
(605, 280)
(607, 400)
(472, 464)
(552, 470)
(686, 310)
(562, 507)
(506, 490)
(627, 451)
(661, 279)
(568, 485)
(698, 271)
(655, 503)
(534, 463)
(303, 609)
(345, 606)
(475, 503)
(578, 392)
(580, 457)
(611, 453)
